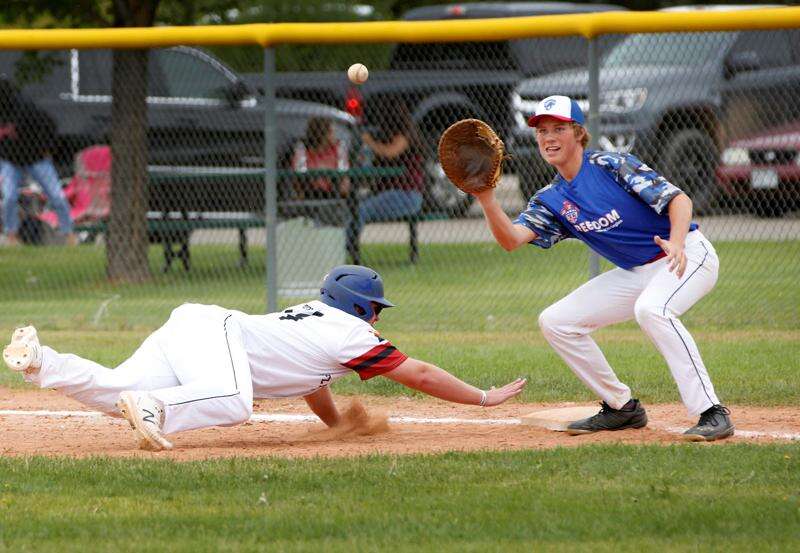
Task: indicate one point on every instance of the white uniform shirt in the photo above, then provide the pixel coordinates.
(298, 350)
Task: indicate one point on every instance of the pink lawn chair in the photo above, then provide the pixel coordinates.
(89, 190)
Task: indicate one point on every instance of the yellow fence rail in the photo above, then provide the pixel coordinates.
(586, 25)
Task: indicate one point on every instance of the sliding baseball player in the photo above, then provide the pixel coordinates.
(206, 364)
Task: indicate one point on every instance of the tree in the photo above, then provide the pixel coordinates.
(127, 241)
(126, 250)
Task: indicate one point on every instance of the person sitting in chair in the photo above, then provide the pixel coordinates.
(320, 149)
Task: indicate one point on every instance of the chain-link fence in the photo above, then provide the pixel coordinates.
(357, 177)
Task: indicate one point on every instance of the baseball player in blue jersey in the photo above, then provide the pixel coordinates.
(635, 218)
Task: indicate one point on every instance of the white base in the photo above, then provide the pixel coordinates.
(558, 419)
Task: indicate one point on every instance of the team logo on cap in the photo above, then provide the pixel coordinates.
(570, 211)
(548, 105)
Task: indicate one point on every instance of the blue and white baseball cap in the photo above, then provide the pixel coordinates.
(558, 107)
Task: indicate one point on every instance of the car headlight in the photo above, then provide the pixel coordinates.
(623, 100)
(735, 156)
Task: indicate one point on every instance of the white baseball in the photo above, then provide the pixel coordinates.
(358, 73)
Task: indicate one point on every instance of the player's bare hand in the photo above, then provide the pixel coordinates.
(676, 255)
(496, 396)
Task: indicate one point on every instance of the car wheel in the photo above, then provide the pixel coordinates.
(440, 194)
(689, 161)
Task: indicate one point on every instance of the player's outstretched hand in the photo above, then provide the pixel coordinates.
(496, 396)
(676, 256)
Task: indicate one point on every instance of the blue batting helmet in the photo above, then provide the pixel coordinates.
(353, 288)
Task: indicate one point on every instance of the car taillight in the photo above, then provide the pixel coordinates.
(354, 102)
(456, 10)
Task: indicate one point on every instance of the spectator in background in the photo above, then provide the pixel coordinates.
(320, 149)
(394, 143)
(27, 136)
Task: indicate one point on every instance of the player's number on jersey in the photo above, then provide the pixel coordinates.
(288, 315)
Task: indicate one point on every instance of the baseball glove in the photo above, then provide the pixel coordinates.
(471, 155)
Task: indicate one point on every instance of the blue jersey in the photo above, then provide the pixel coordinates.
(615, 204)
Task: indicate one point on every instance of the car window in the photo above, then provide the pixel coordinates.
(668, 49)
(773, 48)
(453, 55)
(794, 39)
(541, 55)
(95, 73)
(40, 73)
(187, 76)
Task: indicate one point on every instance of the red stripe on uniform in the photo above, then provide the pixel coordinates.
(380, 359)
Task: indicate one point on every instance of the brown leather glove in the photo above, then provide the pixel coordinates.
(471, 155)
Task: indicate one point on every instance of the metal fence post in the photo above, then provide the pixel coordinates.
(594, 125)
(270, 179)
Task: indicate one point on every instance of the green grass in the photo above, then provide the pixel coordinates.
(610, 498)
(747, 367)
(472, 309)
(479, 323)
(455, 287)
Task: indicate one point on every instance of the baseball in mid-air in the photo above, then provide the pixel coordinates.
(358, 73)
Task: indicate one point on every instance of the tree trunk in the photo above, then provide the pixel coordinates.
(126, 247)
(126, 240)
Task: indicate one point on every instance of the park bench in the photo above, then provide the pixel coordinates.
(174, 233)
(185, 199)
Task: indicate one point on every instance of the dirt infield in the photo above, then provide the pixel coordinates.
(367, 433)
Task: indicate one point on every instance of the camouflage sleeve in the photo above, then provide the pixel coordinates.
(638, 179)
(549, 230)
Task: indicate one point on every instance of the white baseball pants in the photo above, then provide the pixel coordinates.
(656, 298)
(195, 364)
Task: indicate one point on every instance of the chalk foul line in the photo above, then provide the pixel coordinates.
(295, 418)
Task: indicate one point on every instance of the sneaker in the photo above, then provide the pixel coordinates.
(24, 334)
(145, 415)
(630, 416)
(24, 353)
(715, 424)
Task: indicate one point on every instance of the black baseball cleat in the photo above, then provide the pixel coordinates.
(715, 424)
(632, 415)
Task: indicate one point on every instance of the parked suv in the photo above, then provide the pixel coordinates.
(200, 113)
(674, 99)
